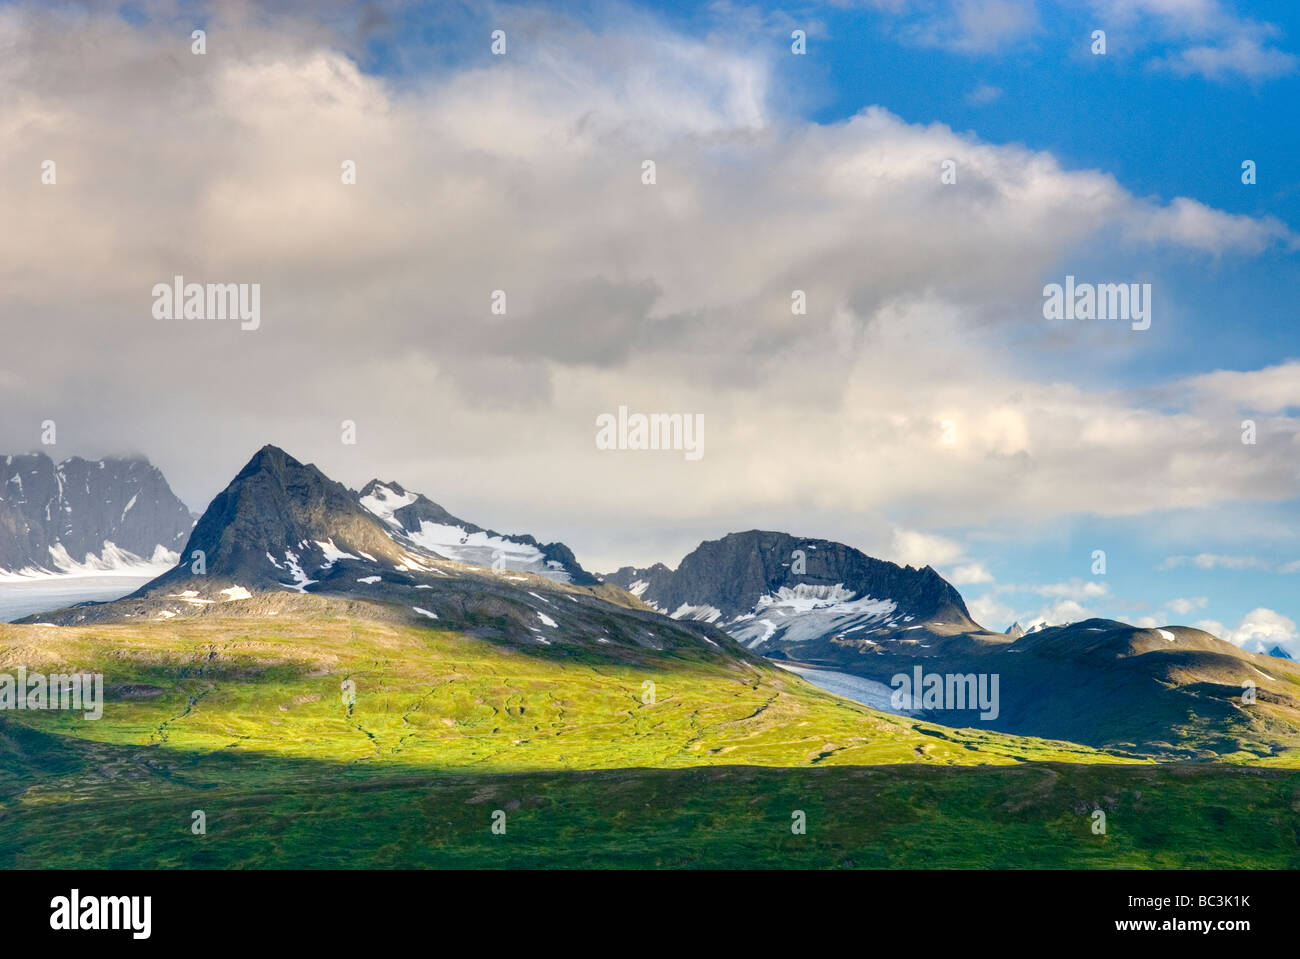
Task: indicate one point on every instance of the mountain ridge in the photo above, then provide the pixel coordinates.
(282, 528)
(428, 525)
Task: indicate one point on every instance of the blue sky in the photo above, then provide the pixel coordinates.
(776, 171)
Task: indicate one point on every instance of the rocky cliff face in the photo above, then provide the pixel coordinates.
(278, 524)
(82, 514)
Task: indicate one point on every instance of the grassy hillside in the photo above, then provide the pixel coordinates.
(435, 698)
(244, 718)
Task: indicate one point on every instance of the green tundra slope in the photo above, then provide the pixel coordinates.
(622, 757)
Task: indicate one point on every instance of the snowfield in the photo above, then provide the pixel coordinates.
(384, 502)
(111, 574)
(804, 612)
(111, 561)
(458, 544)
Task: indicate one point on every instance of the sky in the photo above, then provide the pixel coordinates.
(923, 409)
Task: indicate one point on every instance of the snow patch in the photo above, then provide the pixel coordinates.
(300, 580)
(482, 549)
(332, 553)
(111, 561)
(806, 612)
(703, 614)
(385, 501)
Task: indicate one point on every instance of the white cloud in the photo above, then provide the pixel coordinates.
(1075, 589)
(1192, 224)
(1181, 607)
(1197, 37)
(1272, 389)
(991, 613)
(1173, 611)
(983, 95)
(1059, 614)
(1213, 561)
(970, 574)
(1259, 631)
(915, 548)
(1244, 56)
(975, 26)
(1204, 37)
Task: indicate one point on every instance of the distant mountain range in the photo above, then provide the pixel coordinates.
(282, 527)
(80, 516)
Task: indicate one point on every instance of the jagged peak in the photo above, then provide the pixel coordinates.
(377, 484)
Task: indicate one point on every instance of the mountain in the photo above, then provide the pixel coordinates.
(1280, 653)
(813, 600)
(283, 524)
(1015, 630)
(81, 516)
(425, 525)
(282, 528)
(279, 524)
